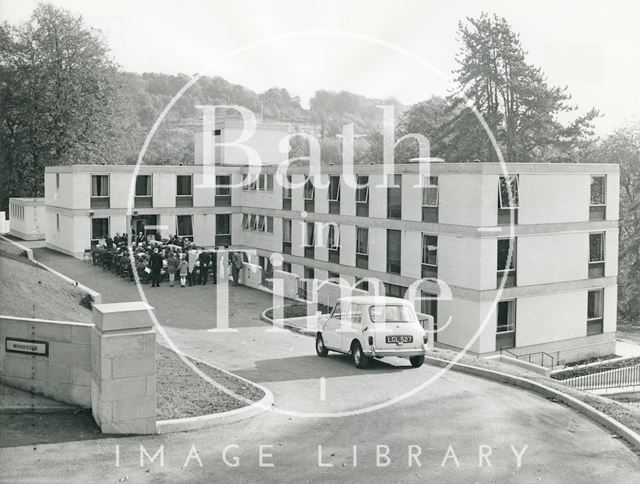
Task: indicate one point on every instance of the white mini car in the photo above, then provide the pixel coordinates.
(368, 327)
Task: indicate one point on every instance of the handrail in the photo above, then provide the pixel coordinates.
(529, 355)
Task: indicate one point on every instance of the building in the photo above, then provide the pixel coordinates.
(559, 294)
(27, 217)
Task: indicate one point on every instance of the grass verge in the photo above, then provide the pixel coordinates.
(181, 393)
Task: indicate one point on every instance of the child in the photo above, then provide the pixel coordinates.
(183, 267)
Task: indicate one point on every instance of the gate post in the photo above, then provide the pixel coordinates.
(123, 368)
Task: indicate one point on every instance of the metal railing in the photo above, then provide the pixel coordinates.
(628, 376)
(539, 358)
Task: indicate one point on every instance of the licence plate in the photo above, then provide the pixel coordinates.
(399, 339)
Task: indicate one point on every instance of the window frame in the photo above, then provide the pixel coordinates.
(178, 226)
(425, 250)
(602, 247)
(108, 219)
(502, 204)
(108, 178)
(178, 195)
(261, 225)
(362, 188)
(309, 241)
(220, 187)
(287, 229)
(309, 183)
(427, 184)
(512, 314)
(149, 185)
(333, 237)
(333, 178)
(245, 221)
(604, 191)
(364, 230)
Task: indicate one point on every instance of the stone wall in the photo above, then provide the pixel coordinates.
(64, 374)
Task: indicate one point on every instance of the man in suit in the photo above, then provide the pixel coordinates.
(205, 260)
(155, 264)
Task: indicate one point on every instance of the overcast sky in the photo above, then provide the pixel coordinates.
(589, 46)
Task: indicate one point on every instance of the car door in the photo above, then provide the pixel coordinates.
(331, 330)
(351, 326)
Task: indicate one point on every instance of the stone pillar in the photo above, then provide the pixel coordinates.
(123, 368)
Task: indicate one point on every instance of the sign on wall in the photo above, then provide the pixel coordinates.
(30, 347)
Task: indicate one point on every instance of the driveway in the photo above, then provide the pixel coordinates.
(452, 423)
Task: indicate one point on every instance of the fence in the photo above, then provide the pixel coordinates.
(625, 377)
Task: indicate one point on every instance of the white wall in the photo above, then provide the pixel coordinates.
(554, 198)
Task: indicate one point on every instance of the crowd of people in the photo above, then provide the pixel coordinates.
(156, 261)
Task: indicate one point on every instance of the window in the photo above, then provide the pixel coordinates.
(596, 255)
(309, 234)
(506, 325)
(430, 199)
(392, 290)
(99, 228)
(223, 229)
(269, 183)
(362, 192)
(183, 186)
(362, 241)
(57, 221)
(286, 190)
(430, 192)
(429, 255)
(245, 221)
(334, 188)
(99, 191)
(261, 225)
(222, 185)
(270, 225)
(185, 226)
(253, 223)
(394, 197)
(508, 200)
(143, 186)
(57, 181)
(286, 267)
(394, 251)
(262, 182)
(333, 277)
(598, 203)
(144, 191)
(509, 192)
(309, 189)
(286, 230)
(503, 269)
(184, 191)
(245, 184)
(333, 239)
(595, 303)
(362, 247)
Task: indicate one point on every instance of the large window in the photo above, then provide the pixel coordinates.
(394, 197)
(286, 236)
(99, 228)
(362, 247)
(309, 195)
(506, 325)
(598, 200)
(506, 265)
(286, 193)
(309, 239)
(429, 255)
(185, 226)
(223, 229)
(223, 190)
(184, 191)
(144, 191)
(596, 254)
(508, 199)
(334, 194)
(595, 303)
(430, 199)
(333, 243)
(394, 251)
(99, 191)
(362, 196)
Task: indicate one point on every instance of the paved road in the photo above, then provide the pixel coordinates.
(457, 415)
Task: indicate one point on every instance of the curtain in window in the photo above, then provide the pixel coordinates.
(100, 186)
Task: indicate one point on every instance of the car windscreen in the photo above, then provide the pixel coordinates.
(391, 314)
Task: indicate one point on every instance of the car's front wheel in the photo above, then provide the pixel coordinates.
(321, 349)
(416, 361)
(360, 360)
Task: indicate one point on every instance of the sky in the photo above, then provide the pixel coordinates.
(379, 48)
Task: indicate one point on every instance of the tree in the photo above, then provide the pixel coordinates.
(518, 105)
(60, 99)
(623, 147)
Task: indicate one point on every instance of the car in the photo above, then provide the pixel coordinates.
(367, 327)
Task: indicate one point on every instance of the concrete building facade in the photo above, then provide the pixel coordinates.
(525, 262)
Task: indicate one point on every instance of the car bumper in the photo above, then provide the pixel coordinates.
(406, 352)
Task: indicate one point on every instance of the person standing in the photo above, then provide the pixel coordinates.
(236, 265)
(155, 264)
(172, 267)
(183, 267)
(205, 260)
